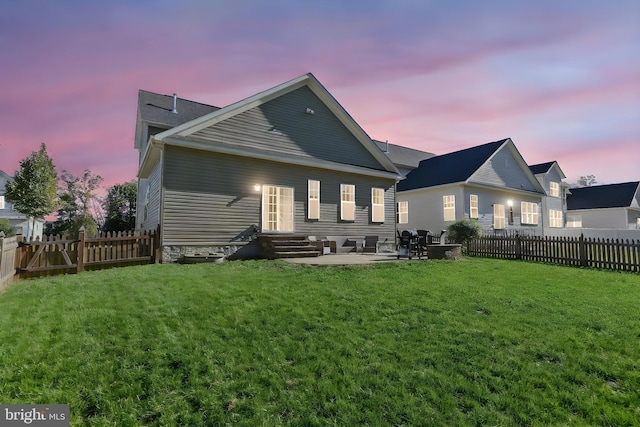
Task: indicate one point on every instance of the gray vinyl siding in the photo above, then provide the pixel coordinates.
(503, 171)
(282, 126)
(154, 183)
(426, 209)
(209, 198)
(487, 198)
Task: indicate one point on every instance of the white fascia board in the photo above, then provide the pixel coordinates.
(504, 189)
(431, 188)
(311, 162)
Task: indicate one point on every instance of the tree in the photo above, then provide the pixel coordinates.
(75, 203)
(120, 207)
(6, 228)
(464, 230)
(587, 181)
(33, 190)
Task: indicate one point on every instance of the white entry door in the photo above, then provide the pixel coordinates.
(277, 208)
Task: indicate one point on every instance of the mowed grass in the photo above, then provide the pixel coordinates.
(471, 342)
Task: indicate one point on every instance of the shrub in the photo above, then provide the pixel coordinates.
(6, 228)
(464, 230)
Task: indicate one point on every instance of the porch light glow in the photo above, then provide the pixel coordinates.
(257, 187)
(510, 202)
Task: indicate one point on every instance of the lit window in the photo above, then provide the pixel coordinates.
(449, 203)
(377, 205)
(403, 212)
(314, 200)
(498, 217)
(529, 213)
(555, 218)
(574, 221)
(554, 189)
(1, 202)
(638, 223)
(347, 202)
(473, 203)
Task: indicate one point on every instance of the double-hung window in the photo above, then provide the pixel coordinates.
(574, 221)
(529, 213)
(554, 189)
(449, 204)
(347, 202)
(1, 202)
(377, 205)
(473, 206)
(498, 217)
(403, 212)
(313, 205)
(555, 218)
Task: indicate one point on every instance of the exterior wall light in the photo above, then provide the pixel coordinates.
(257, 187)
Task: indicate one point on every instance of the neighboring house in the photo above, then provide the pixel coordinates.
(491, 183)
(289, 160)
(613, 206)
(16, 219)
(554, 205)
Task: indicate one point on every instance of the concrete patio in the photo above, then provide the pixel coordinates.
(346, 259)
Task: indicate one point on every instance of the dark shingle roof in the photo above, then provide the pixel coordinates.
(602, 196)
(541, 168)
(155, 109)
(403, 156)
(449, 168)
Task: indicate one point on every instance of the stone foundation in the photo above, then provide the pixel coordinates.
(172, 254)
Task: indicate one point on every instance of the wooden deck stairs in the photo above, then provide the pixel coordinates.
(286, 246)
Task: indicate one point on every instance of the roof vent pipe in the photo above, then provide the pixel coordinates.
(175, 104)
(387, 149)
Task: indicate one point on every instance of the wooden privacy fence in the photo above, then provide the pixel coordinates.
(8, 247)
(612, 254)
(60, 254)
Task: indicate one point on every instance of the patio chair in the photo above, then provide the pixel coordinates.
(370, 244)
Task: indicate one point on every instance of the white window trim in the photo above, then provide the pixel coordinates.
(1, 202)
(403, 212)
(554, 189)
(528, 213)
(498, 217)
(313, 199)
(555, 218)
(449, 207)
(473, 206)
(377, 204)
(347, 205)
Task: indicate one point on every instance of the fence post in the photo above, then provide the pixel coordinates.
(583, 250)
(518, 246)
(80, 250)
(156, 245)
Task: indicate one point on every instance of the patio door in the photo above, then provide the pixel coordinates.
(277, 209)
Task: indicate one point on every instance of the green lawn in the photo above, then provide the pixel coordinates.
(470, 342)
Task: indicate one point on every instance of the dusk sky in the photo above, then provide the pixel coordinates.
(559, 77)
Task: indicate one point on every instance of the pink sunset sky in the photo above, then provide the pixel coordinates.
(561, 78)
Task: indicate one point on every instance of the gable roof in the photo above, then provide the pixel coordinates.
(177, 134)
(403, 156)
(156, 109)
(450, 168)
(603, 196)
(546, 167)
(460, 167)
